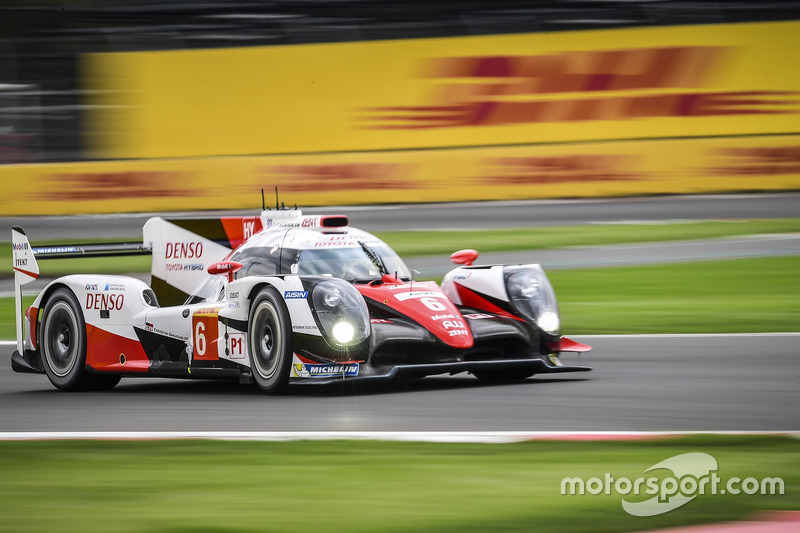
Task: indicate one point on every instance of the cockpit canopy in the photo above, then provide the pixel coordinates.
(350, 254)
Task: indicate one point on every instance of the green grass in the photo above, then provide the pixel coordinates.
(740, 295)
(416, 243)
(214, 486)
(419, 243)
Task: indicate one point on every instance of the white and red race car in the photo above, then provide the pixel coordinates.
(278, 299)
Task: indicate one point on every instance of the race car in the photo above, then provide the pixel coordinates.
(278, 299)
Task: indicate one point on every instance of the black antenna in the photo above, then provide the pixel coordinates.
(276, 198)
(263, 204)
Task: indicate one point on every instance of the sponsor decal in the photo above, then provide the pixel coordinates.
(403, 296)
(152, 329)
(341, 177)
(55, 250)
(755, 161)
(105, 301)
(113, 287)
(20, 262)
(308, 370)
(183, 250)
(380, 321)
(91, 287)
(19, 246)
(336, 240)
(442, 317)
(248, 228)
(295, 295)
(572, 168)
(633, 83)
(97, 186)
(233, 295)
(183, 267)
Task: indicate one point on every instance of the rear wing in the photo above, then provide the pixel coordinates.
(26, 267)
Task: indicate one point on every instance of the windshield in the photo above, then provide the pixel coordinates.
(350, 264)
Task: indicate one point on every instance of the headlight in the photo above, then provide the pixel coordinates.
(341, 311)
(332, 297)
(549, 322)
(343, 332)
(533, 297)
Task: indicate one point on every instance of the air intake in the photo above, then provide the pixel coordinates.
(334, 221)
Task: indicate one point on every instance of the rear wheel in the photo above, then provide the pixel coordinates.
(269, 341)
(63, 345)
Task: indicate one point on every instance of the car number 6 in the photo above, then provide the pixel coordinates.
(200, 338)
(433, 304)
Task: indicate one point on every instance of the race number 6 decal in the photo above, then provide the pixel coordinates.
(433, 304)
(205, 332)
(199, 339)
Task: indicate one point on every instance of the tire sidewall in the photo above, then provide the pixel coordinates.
(279, 379)
(71, 380)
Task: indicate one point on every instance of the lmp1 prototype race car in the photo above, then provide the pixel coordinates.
(279, 299)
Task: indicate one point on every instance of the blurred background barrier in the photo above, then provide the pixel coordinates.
(493, 173)
(633, 83)
(114, 106)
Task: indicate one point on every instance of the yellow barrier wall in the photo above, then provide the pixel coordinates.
(494, 173)
(467, 91)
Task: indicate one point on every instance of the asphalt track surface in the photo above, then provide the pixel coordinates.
(527, 213)
(710, 383)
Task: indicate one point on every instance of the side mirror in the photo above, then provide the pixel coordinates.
(464, 257)
(224, 267)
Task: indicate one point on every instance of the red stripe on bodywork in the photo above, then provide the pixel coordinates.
(103, 351)
(31, 274)
(470, 298)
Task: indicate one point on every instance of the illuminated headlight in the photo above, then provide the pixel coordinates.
(549, 322)
(532, 296)
(341, 312)
(343, 332)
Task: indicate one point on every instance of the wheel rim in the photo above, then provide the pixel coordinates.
(267, 340)
(62, 342)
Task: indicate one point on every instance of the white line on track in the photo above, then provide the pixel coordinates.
(488, 437)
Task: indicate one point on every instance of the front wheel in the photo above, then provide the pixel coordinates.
(63, 345)
(269, 340)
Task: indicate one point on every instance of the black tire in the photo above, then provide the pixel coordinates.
(503, 376)
(269, 341)
(63, 345)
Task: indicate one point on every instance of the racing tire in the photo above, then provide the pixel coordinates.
(503, 376)
(269, 341)
(63, 346)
